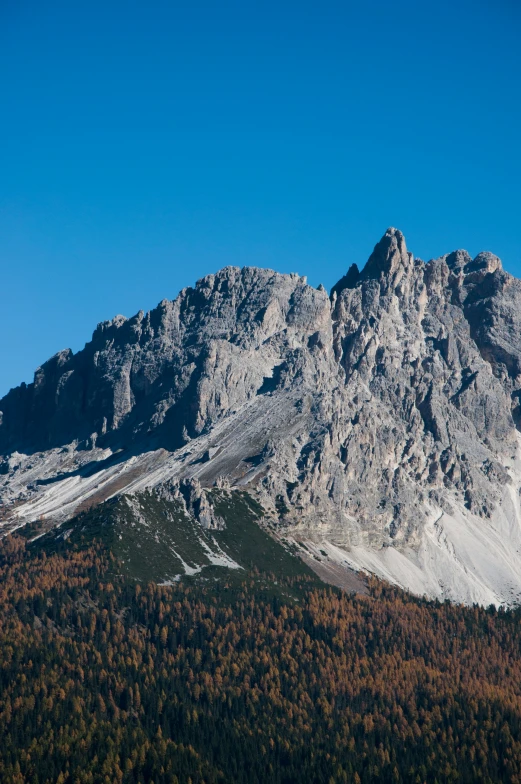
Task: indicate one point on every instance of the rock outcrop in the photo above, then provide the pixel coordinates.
(382, 419)
(167, 375)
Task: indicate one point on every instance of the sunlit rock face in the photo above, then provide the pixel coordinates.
(382, 419)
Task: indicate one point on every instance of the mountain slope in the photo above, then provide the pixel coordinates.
(154, 539)
(379, 423)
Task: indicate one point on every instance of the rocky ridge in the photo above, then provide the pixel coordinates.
(380, 421)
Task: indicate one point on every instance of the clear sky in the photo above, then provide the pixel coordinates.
(146, 144)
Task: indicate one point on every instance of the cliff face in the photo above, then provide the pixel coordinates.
(381, 420)
(170, 373)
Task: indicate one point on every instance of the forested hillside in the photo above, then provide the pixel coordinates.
(103, 679)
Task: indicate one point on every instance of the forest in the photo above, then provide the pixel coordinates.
(105, 679)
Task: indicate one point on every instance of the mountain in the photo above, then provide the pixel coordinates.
(376, 427)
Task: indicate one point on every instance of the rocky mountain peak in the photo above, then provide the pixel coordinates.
(383, 421)
(348, 281)
(458, 260)
(485, 262)
(461, 262)
(388, 256)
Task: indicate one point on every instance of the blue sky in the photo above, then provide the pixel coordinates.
(143, 145)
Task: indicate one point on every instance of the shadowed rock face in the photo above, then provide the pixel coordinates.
(360, 417)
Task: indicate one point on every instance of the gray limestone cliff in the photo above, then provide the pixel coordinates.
(382, 419)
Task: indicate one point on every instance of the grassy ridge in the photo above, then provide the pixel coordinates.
(153, 539)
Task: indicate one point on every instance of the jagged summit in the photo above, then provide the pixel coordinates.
(388, 255)
(348, 281)
(380, 422)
